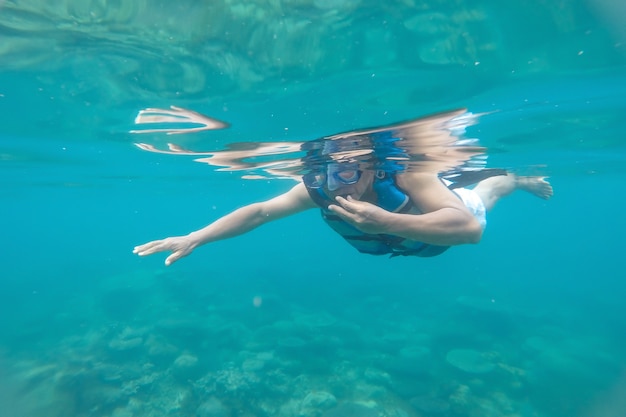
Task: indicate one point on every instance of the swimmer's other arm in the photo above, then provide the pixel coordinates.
(446, 221)
(234, 224)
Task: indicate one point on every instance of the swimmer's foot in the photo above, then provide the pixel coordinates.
(537, 186)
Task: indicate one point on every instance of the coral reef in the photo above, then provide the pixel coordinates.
(218, 361)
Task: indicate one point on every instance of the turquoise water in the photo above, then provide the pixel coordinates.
(289, 320)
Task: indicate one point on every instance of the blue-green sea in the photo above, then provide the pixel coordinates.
(289, 320)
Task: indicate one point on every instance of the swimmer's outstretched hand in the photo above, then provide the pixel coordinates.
(180, 246)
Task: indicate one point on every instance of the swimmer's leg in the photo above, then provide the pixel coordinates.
(493, 189)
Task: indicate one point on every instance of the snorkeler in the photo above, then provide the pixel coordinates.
(417, 209)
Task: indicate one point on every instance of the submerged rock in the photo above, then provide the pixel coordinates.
(128, 339)
(430, 405)
(122, 412)
(411, 360)
(315, 402)
(353, 410)
(470, 361)
(161, 351)
(291, 343)
(186, 367)
(252, 365)
(185, 361)
(212, 408)
(125, 344)
(322, 319)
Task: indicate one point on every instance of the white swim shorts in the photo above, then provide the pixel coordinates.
(474, 203)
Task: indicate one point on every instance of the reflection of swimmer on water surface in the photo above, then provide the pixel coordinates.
(391, 190)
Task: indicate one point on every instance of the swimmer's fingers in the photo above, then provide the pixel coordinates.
(149, 248)
(176, 256)
(365, 216)
(180, 246)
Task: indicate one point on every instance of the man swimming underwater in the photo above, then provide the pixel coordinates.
(416, 212)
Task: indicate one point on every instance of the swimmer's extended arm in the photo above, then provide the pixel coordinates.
(234, 224)
(446, 221)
